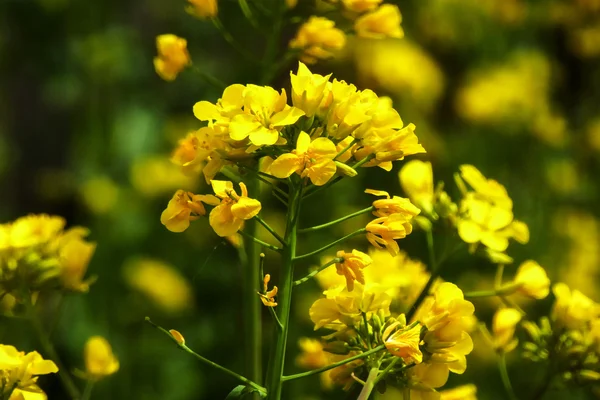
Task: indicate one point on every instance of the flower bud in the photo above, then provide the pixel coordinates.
(177, 336)
(346, 169)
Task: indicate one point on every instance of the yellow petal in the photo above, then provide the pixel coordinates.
(206, 111)
(286, 117)
(302, 143)
(322, 147)
(223, 222)
(246, 208)
(285, 165)
(242, 125)
(263, 136)
(377, 192)
(222, 188)
(321, 173)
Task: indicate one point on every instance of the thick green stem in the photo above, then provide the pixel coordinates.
(334, 365)
(206, 361)
(365, 393)
(284, 299)
(48, 348)
(337, 221)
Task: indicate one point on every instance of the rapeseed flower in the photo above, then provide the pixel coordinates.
(380, 23)
(231, 209)
(268, 296)
(351, 267)
(318, 38)
(183, 208)
(404, 342)
(394, 205)
(533, 279)
(75, 254)
(309, 91)
(100, 361)
(504, 324)
(203, 8)
(19, 373)
(382, 232)
(173, 56)
(463, 392)
(310, 159)
(572, 309)
(360, 6)
(416, 179)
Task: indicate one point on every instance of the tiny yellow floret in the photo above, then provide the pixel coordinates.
(173, 56)
(100, 361)
(318, 38)
(380, 23)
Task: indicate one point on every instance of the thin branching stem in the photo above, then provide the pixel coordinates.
(330, 245)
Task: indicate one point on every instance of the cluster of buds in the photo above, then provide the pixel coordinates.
(36, 253)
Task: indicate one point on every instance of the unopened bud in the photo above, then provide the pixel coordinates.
(177, 336)
(532, 330)
(346, 169)
(337, 347)
(394, 155)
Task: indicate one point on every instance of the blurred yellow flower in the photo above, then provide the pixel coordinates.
(351, 267)
(394, 205)
(183, 208)
(382, 232)
(533, 279)
(266, 114)
(33, 230)
(318, 38)
(230, 212)
(572, 309)
(360, 6)
(404, 342)
(172, 58)
(100, 361)
(463, 392)
(100, 194)
(310, 159)
(19, 370)
(203, 8)
(75, 254)
(504, 324)
(416, 179)
(309, 91)
(380, 23)
(154, 175)
(313, 356)
(162, 284)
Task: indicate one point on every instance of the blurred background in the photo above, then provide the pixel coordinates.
(87, 127)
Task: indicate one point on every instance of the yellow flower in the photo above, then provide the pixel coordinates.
(172, 58)
(382, 232)
(228, 216)
(380, 23)
(309, 91)
(426, 377)
(318, 38)
(203, 8)
(404, 342)
(342, 308)
(74, 254)
(100, 361)
(266, 114)
(351, 267)
(503, 326)
(228, 106)
(447, 317)
(159, 282)
(361, 6)
(194, 149)
(34, 230)
(268, 296)
(487, 213)
(533, 279)
(183, 208)
(463, 392)
(310, 159)
(416, 178)
(19, 370)
(100, 194)
(572, 309)
(313, 356)
(395, 205)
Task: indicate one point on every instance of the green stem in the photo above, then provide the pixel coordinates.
(340, 240)
(339, 178)
(334, 365)
(345, 149)
(249, 15)
(501, 291)
(505, 377)
(231, 40)
(265, 244)
(432, 278)
(337, 221)
(48, 347)
(284, 299)
(316, 271)
(87, 392)
(276, 318)
(206, 361)
(271, 230)
(365, 393)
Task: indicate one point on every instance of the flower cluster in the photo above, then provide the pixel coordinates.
(318, 38)
(19, 372)
(36, 252)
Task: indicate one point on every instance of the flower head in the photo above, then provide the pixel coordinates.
(75, 254)
(503, 326)
(382, 232)
(351, 266)
(173, 56)
(404, 342)
(268, 296)
(361, 6)
(318, 38)
(312, 159)
(416, 178)
(183, 208)
(533, 279)
(572, 309)
(19, 370)
(380, 23)
(309, 91)
(231, 209)
(395, 205)
(203, 8)
(100, 361)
